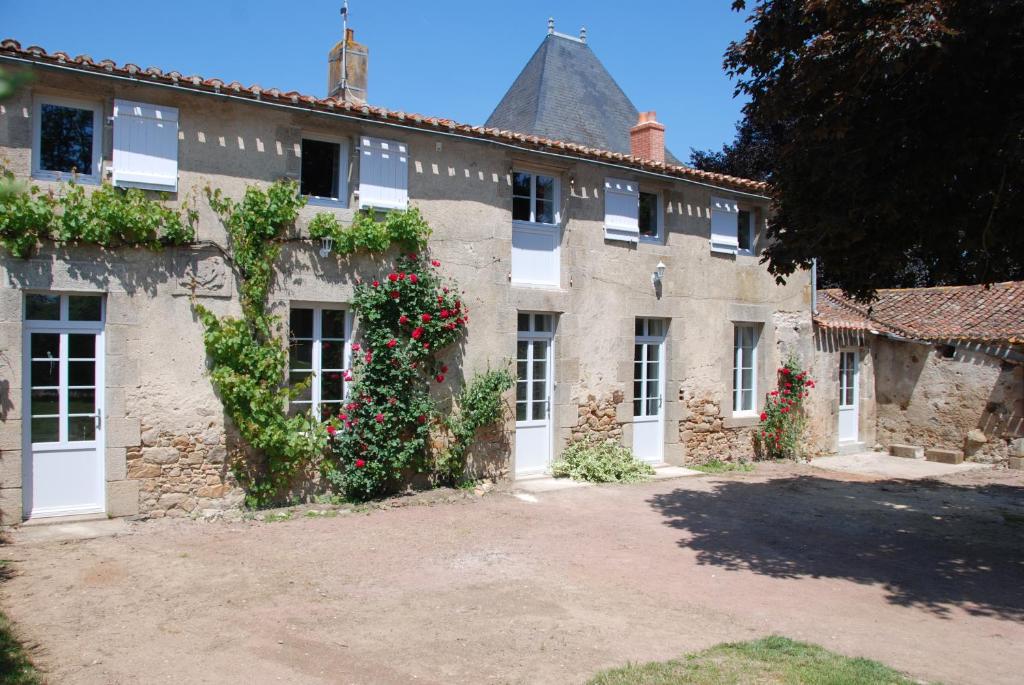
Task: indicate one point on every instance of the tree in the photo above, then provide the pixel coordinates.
(748, 156)
(895, 134)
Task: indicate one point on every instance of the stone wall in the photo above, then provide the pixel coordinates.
(598, 419)
(705, 435)
(183, 475)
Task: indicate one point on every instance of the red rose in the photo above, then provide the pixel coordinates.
(343, 416)
(785, 371)
(392, 342)
(764, 416)
(403, 319)
(369, 357)
(426, 346)
(413, 278)
(421, 418)
(360, 463)
(379, 418)
(444, 369)
(394, 295)
(355, 347)
(426, 318)
(445, 313)
(376, 283)
(434, 262)
(774, 393)
(412, 256)
(417, 333)
(392, 277)
(401, 275)
(331, 430)
(785, 410)
(439, 378)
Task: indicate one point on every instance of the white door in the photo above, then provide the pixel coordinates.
(649, 390)
(63, 426)
(849, 373)
(535, 378)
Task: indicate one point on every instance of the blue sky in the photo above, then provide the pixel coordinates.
(451, 58)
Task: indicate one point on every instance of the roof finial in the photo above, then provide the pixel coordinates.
(551, 25)
(583, 34)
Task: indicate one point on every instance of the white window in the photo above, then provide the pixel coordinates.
(66, 139)
(732, 228)
(536, 235)
(383, 174)
(324, 171)
(630, 214)
(318, 346)
(145, 146)
(744, 369)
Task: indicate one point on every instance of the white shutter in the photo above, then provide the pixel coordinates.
(621, 210)
(145, 146)
(724, 220)
(383, 174)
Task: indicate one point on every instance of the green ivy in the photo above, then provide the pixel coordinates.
(479, 404)
(407, 229)
(107, 216)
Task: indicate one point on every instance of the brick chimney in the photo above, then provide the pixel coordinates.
(647, 138)
(347, 67)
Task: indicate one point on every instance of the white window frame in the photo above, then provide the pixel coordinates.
(316, 368)
(532, 335)
(556, 200)
(659, 236)
(737, 370)
(645, 339)
(344, 157)
(97, 138)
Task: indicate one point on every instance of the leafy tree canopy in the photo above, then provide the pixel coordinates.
(892, 132)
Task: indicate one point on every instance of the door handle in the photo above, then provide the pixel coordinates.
(99, 418)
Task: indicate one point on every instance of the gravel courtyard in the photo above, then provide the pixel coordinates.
(927, 577)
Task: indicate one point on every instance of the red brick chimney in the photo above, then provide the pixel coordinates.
(647, 138)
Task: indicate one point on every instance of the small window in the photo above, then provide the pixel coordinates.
(318, 348)
(324, 170)
(534, 198)
(744, 388)
(650, 216)
(745, 231)
(67, 139)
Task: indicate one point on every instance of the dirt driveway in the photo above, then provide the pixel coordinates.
(927, 577)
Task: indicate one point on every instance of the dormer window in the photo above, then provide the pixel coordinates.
(732, 228)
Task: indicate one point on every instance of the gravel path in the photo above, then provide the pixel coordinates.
(927, 577)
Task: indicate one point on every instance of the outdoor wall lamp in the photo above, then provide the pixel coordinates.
(658, 273)
(326, 244)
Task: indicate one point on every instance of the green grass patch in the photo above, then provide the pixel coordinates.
(15, 666)
(767, 661)
(719, 466)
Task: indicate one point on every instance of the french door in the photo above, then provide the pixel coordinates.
(63, 426)
(534, 381)
(849, 419)
(649, 390)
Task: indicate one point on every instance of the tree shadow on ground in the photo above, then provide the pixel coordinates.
(931, 545)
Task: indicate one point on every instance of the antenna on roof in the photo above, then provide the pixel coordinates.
(583, 34)
(344, 49)
(551, 25)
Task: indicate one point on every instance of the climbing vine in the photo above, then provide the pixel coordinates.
(782, 422)
(107, 216)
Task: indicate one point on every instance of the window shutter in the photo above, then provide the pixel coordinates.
(145, 146)
(724, 218)
(621, 210)
(383, 174)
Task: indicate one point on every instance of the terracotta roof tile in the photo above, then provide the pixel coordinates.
(964, 312)
(12, 48)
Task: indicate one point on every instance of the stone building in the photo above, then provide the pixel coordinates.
(938, 368)
(629, 286)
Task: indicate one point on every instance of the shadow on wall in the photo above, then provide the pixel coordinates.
(1004, 412)
(898, 368)
(931, 545)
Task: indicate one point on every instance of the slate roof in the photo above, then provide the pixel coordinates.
(255, 93)
(963, 312)
(565, 93)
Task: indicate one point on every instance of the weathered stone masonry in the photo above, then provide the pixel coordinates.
(703, 432)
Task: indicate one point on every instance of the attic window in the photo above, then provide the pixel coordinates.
(324, 167)
(67, 139)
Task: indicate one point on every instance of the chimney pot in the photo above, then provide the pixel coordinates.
(647, 138)
(347, 69)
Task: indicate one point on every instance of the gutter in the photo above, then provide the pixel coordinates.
(405, 127)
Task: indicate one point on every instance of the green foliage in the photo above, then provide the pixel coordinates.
(479, 404)
(782, 422)
(719, 466)
(407, 230)
(600, 462)
(15, 666)
(407, 319)
(768, 660)
(107, 216)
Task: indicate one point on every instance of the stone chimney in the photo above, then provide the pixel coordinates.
(647, 138)
(347, 66)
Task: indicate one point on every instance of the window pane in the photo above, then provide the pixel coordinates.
(653, 352)
(638, 327)
(542, 323)
(520, 184)
(523, 323)
(747, 379)
(521, 411)
(294, 378)
(521, 209)
(540, 391)
(333, 323)
(85, 307)
(45, 403)
(81, 428)
(320, 168)
(849, 396)
(65, 141)
(45, 430)
(545, 188)
(743, 229)
(655, 327)
(45, 374)
(652, 406)
(540, 349)
(638, 371)
(638, 390)
(332, 354)
(648, 218)
(540, 370)
(638, 407)
(81, 346)
(520, 370)
(522, 350)
(300, 355)
(521, 391)
(545, 212)
(45, 345)
(638, 353)
(81, 373)
(300, 323)
(652, 388)
(331, 386)
(540, 410)
(42, 307)
(748, 400)
(82, 401)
